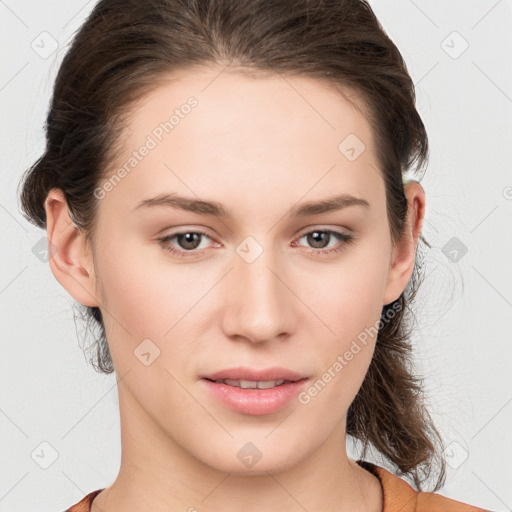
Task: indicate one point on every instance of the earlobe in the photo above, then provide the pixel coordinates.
(404, 253)
(70, 259)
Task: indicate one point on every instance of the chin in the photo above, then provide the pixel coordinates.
(256, 458)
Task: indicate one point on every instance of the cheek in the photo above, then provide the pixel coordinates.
(135, 287)
(352, 294)
(147, 297)
(345, 359)
(131, 303)
(352, 309)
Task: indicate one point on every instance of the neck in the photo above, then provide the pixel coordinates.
(158, 474)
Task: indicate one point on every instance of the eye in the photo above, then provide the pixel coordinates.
(191, 240)
(188, 240)
(318, 237)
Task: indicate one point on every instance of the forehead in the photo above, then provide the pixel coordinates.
(251, 134)
(231, 98)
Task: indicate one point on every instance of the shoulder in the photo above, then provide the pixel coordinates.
(399, 495)
(84, 505)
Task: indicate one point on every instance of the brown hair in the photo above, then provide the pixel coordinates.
(126, 48)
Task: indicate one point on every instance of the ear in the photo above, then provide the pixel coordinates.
(404, 252)
(69, 255)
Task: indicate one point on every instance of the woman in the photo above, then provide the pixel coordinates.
(224, 191)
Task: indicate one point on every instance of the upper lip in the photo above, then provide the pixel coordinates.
(252, 374)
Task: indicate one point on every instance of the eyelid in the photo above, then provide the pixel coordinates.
(299, 234)
(318, 227)
(172, 232)
(344, 239)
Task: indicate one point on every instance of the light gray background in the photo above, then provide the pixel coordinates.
(463, 342)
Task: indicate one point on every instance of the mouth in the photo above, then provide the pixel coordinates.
(252, 384)
(253, 397)
(242, 375)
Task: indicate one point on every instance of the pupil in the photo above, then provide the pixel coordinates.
(317, 236)
(189, 240)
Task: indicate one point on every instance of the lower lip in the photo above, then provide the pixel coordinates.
(255, 401)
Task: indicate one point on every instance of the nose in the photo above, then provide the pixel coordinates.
(259, 303)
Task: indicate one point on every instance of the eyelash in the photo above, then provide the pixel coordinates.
(347, 240)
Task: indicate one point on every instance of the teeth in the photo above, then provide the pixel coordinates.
(252, 384)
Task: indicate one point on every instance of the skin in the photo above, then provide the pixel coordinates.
(259, 146)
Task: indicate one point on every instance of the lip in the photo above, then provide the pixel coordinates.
(246, 373)
(254, 401)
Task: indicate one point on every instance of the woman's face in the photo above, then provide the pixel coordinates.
(258, 289)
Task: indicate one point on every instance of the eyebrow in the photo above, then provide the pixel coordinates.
(218, 210)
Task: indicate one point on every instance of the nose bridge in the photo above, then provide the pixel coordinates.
(259, 302)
